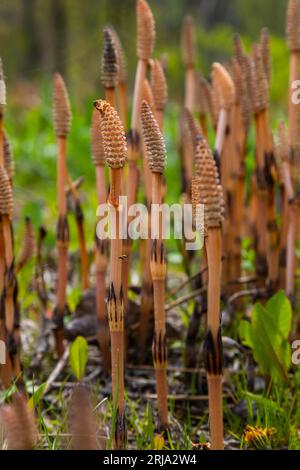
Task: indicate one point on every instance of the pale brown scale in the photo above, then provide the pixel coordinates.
(113, 135)
(293, 25)
(145, 30)
(61, 107)
(189, 42)
(110, 66)
(224, 84)
(159, 86)
(154, 141)
(6, 195)
(97, 148)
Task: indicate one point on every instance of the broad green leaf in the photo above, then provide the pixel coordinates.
(245, 333)
(267, 335)
(280, 308)
(78, 357)
(37, 396)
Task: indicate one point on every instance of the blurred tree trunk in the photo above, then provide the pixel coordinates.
(60, 35)
(33, 53)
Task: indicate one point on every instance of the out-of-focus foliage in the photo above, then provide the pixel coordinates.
(38, 37)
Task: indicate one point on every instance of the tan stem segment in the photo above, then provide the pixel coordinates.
(283, 240)
(146, 300)
(115, 301)
(215, 411)
(9, 299)
(83, 256)
(158, 272)
(291, 251)
(101, 261)
(62, 175)
(2, 258)
(123, 103)
(110, 96)
(262, 204)
(221, 131)
(62, 240)
(132, 187)
(138, 94)
(190, 88)
(214, 258)
(117, 367)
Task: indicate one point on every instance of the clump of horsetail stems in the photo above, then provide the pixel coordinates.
(225, 153)
(101, 254)
(110, 66)
(145, 246)
(122, 78)
(264, 152)
(145, 46)
(28, 245)
(293, 39)
(114, 142)
(12, 369)
(239, 140)
(20, 429)
(159, 91)
(293, 211)
(62, 121)
(82, 424)
(8, 283)
(206, 190)
(156, 154)
(189, 60)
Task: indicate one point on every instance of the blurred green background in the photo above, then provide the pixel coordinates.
(38, 37)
